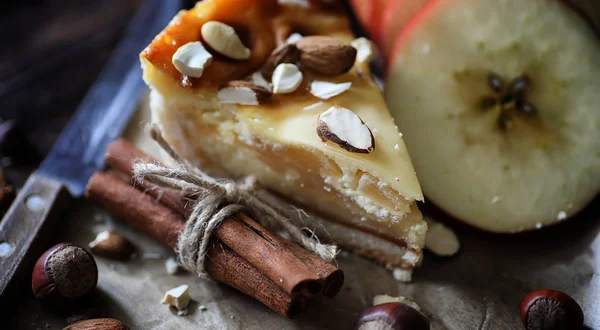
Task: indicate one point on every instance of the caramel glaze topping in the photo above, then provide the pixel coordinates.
(261, 25)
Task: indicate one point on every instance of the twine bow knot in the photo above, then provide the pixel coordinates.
(217, 201)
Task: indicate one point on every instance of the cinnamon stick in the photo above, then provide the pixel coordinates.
(122, 154)
(146, 214)
(334, 277)
(141, 211)
(267, 253)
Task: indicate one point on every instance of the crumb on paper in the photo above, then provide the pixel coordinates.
(172, 266)
(440, 239)
(178, 297)
(203, 308)
(402, 275)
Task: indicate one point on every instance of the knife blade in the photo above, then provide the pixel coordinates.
(79, 151)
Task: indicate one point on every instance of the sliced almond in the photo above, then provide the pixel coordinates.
(286, 53)
(178, 297)
(259, 80)
(365, 49)
(293, 38)
(384, 298)
(345, 128)
(326, 90)
(326, 55)
(243, 92)
(224, 40)
(286, 78)
(191, 59)
(440, 239)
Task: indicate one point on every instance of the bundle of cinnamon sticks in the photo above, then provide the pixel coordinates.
(242, 253)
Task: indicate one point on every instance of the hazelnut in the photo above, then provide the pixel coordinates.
(98, 324)
(550, 310)
(112, 245)
(392, 316)
(64, 271)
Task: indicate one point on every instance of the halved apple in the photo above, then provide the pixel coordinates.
(499, 105)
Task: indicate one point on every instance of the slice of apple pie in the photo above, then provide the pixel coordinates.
(282, 91)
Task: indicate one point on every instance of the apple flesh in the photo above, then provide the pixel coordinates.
(502, 168)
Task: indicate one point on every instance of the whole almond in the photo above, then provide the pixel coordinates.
(111, 244)
(97, 324)
(326, 55)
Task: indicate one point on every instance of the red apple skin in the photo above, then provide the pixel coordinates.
(369, 14)
(395, 17)
(397, 44)
(387, 32)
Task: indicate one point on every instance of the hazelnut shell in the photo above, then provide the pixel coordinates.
(548, 309)
(392, 316)
(64, 271)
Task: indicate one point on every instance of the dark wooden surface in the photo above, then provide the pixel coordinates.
(52, 51)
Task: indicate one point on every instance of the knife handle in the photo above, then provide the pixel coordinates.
(27, 224)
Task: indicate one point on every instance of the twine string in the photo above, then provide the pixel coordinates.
(220, 199)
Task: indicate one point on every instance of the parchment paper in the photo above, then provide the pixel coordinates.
(480, 288)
